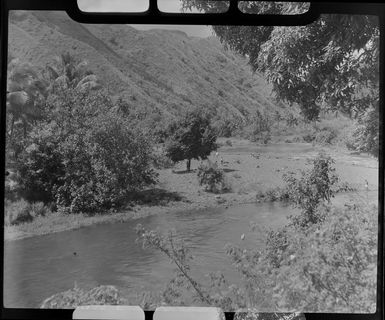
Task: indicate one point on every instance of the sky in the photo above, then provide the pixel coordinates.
(140, 6)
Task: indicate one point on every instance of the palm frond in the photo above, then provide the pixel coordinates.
(53, 74)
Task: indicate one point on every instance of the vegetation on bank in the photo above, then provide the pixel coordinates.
(325, 259)
(63, 125)
(72, 149)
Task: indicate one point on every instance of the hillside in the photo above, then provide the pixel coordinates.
(155, 69)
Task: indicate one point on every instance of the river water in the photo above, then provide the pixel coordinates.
(38, 267)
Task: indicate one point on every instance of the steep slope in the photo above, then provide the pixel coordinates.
(156, 69)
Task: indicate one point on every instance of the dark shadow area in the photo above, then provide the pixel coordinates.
(155, 197)
(229, 170)
(184, 171)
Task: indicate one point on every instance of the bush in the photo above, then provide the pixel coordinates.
(70, 299)
(259, 128)
(308, 137)
(11, 189)
(332, 266)
(41, 165)
(212, 177)
(17, 212)
(227, 126)
(325, 136)
(366, 134)
(86, 158)
(114, 160)
(160, 159)
(39, 209)
(22, 211)
(274, 194)
(311, 189)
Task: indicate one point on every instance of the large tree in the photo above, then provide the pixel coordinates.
(67, 71)
(191, 137)
(26, 93)
(331, 64)
(29, 87)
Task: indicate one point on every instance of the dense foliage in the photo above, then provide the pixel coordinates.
(313, 188)
(365, 136)
(211, 177)
(85, 156)
(191, 137)
(74, 146)
(331, 64)
(21, 211)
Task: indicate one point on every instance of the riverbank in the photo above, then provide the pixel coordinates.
(250, 169)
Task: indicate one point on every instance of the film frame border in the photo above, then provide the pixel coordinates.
(232, 17)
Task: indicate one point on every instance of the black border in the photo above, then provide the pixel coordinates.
(232, 17)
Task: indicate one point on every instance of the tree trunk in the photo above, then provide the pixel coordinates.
(188, 164)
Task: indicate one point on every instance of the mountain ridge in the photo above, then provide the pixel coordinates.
(156, 69)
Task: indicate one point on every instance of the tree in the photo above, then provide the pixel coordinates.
(69, 72)
(85, 155)
(191, 137)
(366, 132)
(331, 64)
(26, 91)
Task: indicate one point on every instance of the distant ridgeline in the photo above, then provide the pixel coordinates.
(159, 70)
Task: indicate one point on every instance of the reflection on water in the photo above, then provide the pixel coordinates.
(38, 267)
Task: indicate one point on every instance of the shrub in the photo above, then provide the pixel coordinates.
(366, 134)
(311, 189)
(17, 212)
(11, 189)
(308, 137)
(259, 128)
(39, 209)
(103, 166)
(160, 159)
(40, 165)
(75, 297)
(22, 211)
(325, 136)
(332, 266)
(274, 194)
(212, 177)
(227, 126)
(86, 158)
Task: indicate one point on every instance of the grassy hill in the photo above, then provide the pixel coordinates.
(155, 69)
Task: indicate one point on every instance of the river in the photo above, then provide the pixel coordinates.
(38, 267)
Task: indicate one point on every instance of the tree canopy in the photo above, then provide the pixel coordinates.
(331, 64)
(191, 137)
